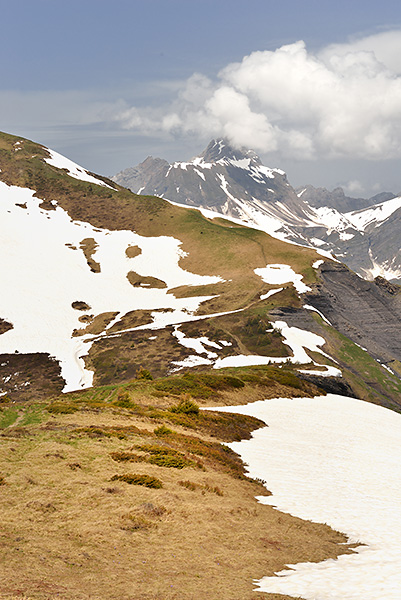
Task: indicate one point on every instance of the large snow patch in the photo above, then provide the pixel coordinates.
(334, 460)
(43, 271)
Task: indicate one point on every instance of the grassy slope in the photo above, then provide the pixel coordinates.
(214, 247)
(69, 531)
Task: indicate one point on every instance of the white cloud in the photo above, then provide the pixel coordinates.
(342, 102)
(354, 188)
(238, 122)
(386, 47)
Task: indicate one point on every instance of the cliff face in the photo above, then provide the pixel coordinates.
(367, 312)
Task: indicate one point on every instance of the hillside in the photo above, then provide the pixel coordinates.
(118, 281)
(126, 492)
(121, 315)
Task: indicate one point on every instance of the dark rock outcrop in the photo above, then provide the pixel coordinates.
(366, 312)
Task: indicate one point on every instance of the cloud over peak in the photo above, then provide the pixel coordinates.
(344, 101)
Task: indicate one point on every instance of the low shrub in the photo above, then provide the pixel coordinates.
(189, 485)
(285, 377)
(170, 461)
(162, 430)
(137, 479)
(94, 431)
(186, 407)
(123, 399)
(167, 457)
(214, 381)
(196, 385)
(214, 489)
(2, 481)
(144, 374)
(119, 432)
(121, 456)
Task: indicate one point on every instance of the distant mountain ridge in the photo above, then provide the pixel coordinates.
(318, 197)
(364, 233)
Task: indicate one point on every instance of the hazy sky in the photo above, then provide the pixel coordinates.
(313, 86)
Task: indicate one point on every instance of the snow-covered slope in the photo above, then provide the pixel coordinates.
(373, 216)
(333, 460)
(57, 280)
(73, 170)
(46, 272)
(234, 182)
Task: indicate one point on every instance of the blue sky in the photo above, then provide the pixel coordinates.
(108, 83)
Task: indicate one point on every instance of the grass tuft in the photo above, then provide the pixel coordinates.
(190, 485)
(121, 456)
(167, 457)
(137, 479)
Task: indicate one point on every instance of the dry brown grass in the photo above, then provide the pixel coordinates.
(137, 280)
(88, 247)
(75, 534)
(97, 324)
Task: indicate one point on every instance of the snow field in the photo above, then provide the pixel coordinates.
(334, 460)
(42, 271)
(278, 274)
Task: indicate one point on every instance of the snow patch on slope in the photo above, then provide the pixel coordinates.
(271, 293)
(61, 162)
(44, 270)
(197, 344)
(298, 340)
(375, 215)
(385, 269)
(278, 274)
(333, 460)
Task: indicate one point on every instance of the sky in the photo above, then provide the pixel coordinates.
(313, 86)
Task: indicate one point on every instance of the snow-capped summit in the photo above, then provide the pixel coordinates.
(224, 179)
(221, 149)
(234, 182)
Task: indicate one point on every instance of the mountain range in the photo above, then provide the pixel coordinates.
(99, 282)
(364, 234)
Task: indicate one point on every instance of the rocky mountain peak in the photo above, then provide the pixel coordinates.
(222, 149)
